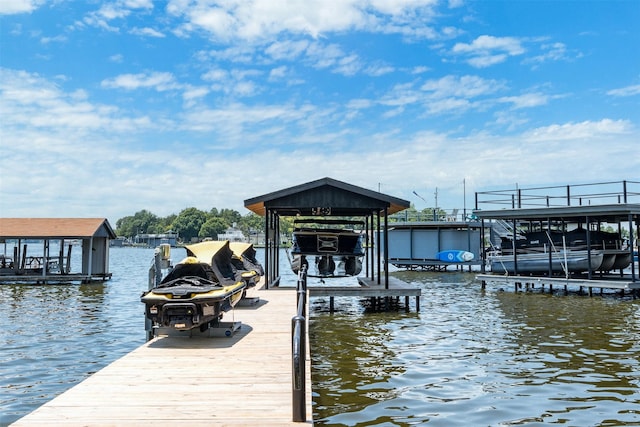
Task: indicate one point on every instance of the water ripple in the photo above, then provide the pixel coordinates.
(474, 357)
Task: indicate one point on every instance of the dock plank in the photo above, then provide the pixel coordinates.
(240, 380)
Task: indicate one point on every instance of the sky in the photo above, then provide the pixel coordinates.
(111, 107)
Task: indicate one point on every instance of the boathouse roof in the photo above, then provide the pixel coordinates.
(614, 201)
(325, 197)
(55, 228)
(604, 213)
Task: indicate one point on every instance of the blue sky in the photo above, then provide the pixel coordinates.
(111, 107)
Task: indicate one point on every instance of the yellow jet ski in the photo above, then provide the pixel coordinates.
(191, 296)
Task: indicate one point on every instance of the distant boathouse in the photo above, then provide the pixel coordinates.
(38, 250)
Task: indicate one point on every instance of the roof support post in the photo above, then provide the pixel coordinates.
(367, 253)
(589, 247)
(631, 237)
(372, 248)
(267, 258)
(276, 245)
(378, 248)
(513, 245)
(483, 248)
(386, 247)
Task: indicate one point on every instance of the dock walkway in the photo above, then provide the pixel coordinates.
(244, 379)
(369, 288)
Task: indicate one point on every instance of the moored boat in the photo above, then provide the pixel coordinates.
(533, 248)
(337, 251)
(566, 262)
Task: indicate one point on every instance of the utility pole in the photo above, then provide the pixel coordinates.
(464, 198)
(435, 211)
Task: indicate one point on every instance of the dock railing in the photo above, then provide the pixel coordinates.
(299, 349)
(599, 193)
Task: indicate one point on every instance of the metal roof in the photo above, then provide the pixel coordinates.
(55, 228)
(605, 213)
(325, 197)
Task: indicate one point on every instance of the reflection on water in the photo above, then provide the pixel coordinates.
(471, 357)
(54, 336)
(474, 357)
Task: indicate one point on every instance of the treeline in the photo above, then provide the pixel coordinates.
(195, 223)
(189, 223)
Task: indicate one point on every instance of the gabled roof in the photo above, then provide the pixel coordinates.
(325, 197)
(55, 228)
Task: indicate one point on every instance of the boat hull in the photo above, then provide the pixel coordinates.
(326, 242)
(574, 262)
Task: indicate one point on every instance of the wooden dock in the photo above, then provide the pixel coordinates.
(622, 284)
(369, 288)
(242, 380)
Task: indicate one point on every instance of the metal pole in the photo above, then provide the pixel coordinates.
(378, 248)
(589, 248)
(299, 350)
(464, 199)
(267, 258)
(386, 248)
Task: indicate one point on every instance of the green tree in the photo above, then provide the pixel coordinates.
(230, 216)
(251, 223)
(188, 223)
(212, 227)
(142, 222)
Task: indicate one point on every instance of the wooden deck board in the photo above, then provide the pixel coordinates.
(199, 381)
(367, 288)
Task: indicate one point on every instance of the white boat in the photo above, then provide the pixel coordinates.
(569, 261)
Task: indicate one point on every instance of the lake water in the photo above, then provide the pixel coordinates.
(471, 357)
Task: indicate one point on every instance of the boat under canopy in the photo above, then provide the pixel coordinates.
(558, 262)
(337, 251)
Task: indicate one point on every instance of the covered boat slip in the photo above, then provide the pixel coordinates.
(417, 244)
(581, 235)
(241, 380)
(39, 250)
(335, 202)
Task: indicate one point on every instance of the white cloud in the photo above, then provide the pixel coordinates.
(31, 102)
(485, 43)
(526, 101)
(379, 70)
(486, 50)
(108, 12)
(420, 69)
(552, 52)
(12, 7)
(464, 86)
(287, 49)
(580, 131)
(156, 80)
(256, 20)
(191, 94)
(56, 39)
(277, 73)
(625, 91)
(147, 32)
